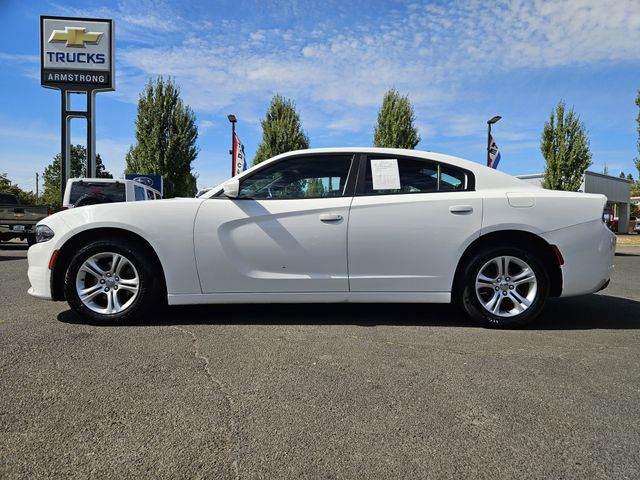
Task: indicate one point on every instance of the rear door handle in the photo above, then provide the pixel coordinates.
(330, 217)
(460, 209)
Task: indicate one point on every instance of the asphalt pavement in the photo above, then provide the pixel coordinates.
(320, 391)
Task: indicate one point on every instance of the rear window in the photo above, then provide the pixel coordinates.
(7, 198)
(114, 192)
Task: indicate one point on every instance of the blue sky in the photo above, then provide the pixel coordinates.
(459, 62)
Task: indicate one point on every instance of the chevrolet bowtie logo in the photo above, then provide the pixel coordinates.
(75, 37)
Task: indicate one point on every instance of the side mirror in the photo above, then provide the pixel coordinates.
(231, 188)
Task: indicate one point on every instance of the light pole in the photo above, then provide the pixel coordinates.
(232, 118)
(490, 122)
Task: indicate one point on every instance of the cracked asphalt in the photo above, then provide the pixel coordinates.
(320, 391)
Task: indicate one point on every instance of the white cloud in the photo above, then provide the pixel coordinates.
(204, 126)
(19, 58)
(426, 51)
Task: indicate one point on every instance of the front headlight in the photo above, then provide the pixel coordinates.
(43, 233)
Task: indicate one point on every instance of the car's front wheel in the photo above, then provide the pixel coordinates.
(504, 287)
(111, 280)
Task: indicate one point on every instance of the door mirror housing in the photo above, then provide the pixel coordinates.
(231, 188)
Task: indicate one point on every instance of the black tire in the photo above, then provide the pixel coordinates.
(90, 199)
(149, 287)
(31, 240)
(471, 304)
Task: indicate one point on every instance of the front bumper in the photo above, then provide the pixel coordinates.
(38, 271)
(588, 250)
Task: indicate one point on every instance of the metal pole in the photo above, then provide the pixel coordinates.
(91, 135)
(37, 175)
(233, 149)
(65, 139)
(488, 144)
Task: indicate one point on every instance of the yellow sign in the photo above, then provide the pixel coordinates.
(75, 37)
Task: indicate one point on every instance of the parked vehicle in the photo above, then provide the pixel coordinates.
(17, 220)
(333, 225)
(81, 192)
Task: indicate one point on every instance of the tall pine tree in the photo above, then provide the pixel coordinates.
(565, 147)
(635, 187)
(166, 134)
(281, 130)
(395, 127)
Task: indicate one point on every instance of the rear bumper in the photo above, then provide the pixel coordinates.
(588, 250)
(7, 229)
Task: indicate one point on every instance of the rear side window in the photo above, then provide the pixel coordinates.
(139, 193)
(388, 176)
(113, 192)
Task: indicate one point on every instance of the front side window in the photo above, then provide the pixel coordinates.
(150, 195)
(316, 176)
(386, 175)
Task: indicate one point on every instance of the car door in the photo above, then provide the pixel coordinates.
(409, 223)
(286, 231)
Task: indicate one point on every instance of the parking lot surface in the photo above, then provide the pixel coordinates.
(320, 391)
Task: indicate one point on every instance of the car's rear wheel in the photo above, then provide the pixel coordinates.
(111, 281)
(504, 286)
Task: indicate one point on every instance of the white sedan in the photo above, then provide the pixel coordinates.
(333, 225)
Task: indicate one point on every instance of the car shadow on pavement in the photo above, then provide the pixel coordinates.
(4, 258)
(13, 246)
(586, 312)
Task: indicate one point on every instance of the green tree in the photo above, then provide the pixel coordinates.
(622, 175)
(395, 127)
(315, 188)
(166, 135)
(78, 165)
(281, 130)
(7, 186)
(635, 187)
(565, 147)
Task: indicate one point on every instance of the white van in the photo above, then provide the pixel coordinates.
(91, 191)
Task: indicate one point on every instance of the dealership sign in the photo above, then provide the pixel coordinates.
(153, 181)
(77, 53)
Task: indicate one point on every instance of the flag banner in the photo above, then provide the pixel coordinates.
(494, 153)
(239, 160)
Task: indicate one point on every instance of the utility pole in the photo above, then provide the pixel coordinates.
(37, 178)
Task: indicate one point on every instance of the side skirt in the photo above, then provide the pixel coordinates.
(311, 297)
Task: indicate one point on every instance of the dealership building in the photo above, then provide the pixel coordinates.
(616, 189)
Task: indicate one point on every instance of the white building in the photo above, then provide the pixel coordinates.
(616, 189)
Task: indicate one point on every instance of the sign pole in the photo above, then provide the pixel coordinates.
(91, 134)
(65, 140)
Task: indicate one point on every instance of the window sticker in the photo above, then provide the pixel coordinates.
(385, 175)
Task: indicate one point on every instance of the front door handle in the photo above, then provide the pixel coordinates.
(330, 217)
(460, 209)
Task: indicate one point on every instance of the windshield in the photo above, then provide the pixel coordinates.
(114, 192)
